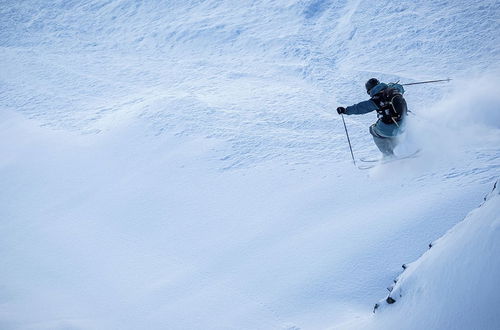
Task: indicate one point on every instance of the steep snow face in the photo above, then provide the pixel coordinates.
(249, 73)
(455, 284)
(179, 164)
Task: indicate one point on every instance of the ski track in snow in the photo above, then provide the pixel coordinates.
(182, 164)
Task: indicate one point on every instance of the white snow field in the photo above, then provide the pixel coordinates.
(180, 165)
(450, 287)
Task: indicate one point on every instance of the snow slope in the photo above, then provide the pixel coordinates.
(453, 285)
(180, 164)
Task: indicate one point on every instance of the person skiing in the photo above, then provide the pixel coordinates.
(388, 101)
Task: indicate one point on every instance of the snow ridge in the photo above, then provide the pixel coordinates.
(453, 285)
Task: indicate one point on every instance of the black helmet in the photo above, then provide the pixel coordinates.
(372, 82)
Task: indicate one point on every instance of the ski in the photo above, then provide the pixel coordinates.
(373, 162)
(370, 160)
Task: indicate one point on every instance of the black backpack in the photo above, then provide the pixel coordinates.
(391, 105)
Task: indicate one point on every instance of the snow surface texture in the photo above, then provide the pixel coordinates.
(180, 165)
(453, 285)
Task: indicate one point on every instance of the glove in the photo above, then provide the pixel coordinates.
(340, 110)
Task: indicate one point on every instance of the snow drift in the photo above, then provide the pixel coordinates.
(455, 284)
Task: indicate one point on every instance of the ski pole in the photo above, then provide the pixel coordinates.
(348, 140)
(426, 82)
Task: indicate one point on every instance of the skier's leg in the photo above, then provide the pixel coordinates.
(385, 145)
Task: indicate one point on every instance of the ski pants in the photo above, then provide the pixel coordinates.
(385, 135)
(385, 144)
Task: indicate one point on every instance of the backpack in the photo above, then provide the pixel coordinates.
(391, 105)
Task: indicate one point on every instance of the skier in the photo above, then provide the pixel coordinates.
(388, 101)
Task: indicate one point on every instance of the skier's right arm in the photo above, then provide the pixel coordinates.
(361, 108)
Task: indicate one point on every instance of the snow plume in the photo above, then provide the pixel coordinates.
(473, 105)
(467, 117)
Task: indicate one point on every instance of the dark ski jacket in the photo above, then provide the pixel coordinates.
(382, 127)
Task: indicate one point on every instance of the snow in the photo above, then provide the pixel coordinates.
(452, 286)
(180, 165)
